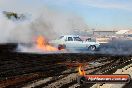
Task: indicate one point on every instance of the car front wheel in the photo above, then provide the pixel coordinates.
(92, 47)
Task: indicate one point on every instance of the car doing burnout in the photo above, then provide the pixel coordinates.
(74, 42)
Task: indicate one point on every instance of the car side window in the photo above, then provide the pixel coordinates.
(77, 39)
(70, 39)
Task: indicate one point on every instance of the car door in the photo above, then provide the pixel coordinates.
(69, 42)
(79, 43)
(73, 43)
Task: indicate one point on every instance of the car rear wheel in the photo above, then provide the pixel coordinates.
(60, 47)
(92, 47)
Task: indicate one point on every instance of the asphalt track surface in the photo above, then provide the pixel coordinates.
(49, 70)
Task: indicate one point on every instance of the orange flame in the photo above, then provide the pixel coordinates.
(81, 71)
(43, 44)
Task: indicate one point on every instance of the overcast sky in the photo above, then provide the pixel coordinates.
(106, 14)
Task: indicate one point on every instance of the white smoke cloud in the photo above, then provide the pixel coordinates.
(55, 23)
(117, 47)
(6, 26)
(46, 22)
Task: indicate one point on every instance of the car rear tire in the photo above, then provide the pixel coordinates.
(60, 47)
(92, 47)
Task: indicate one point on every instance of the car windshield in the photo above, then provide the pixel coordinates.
(77, 39)
(61, 37)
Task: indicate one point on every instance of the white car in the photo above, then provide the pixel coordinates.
(74, 42)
